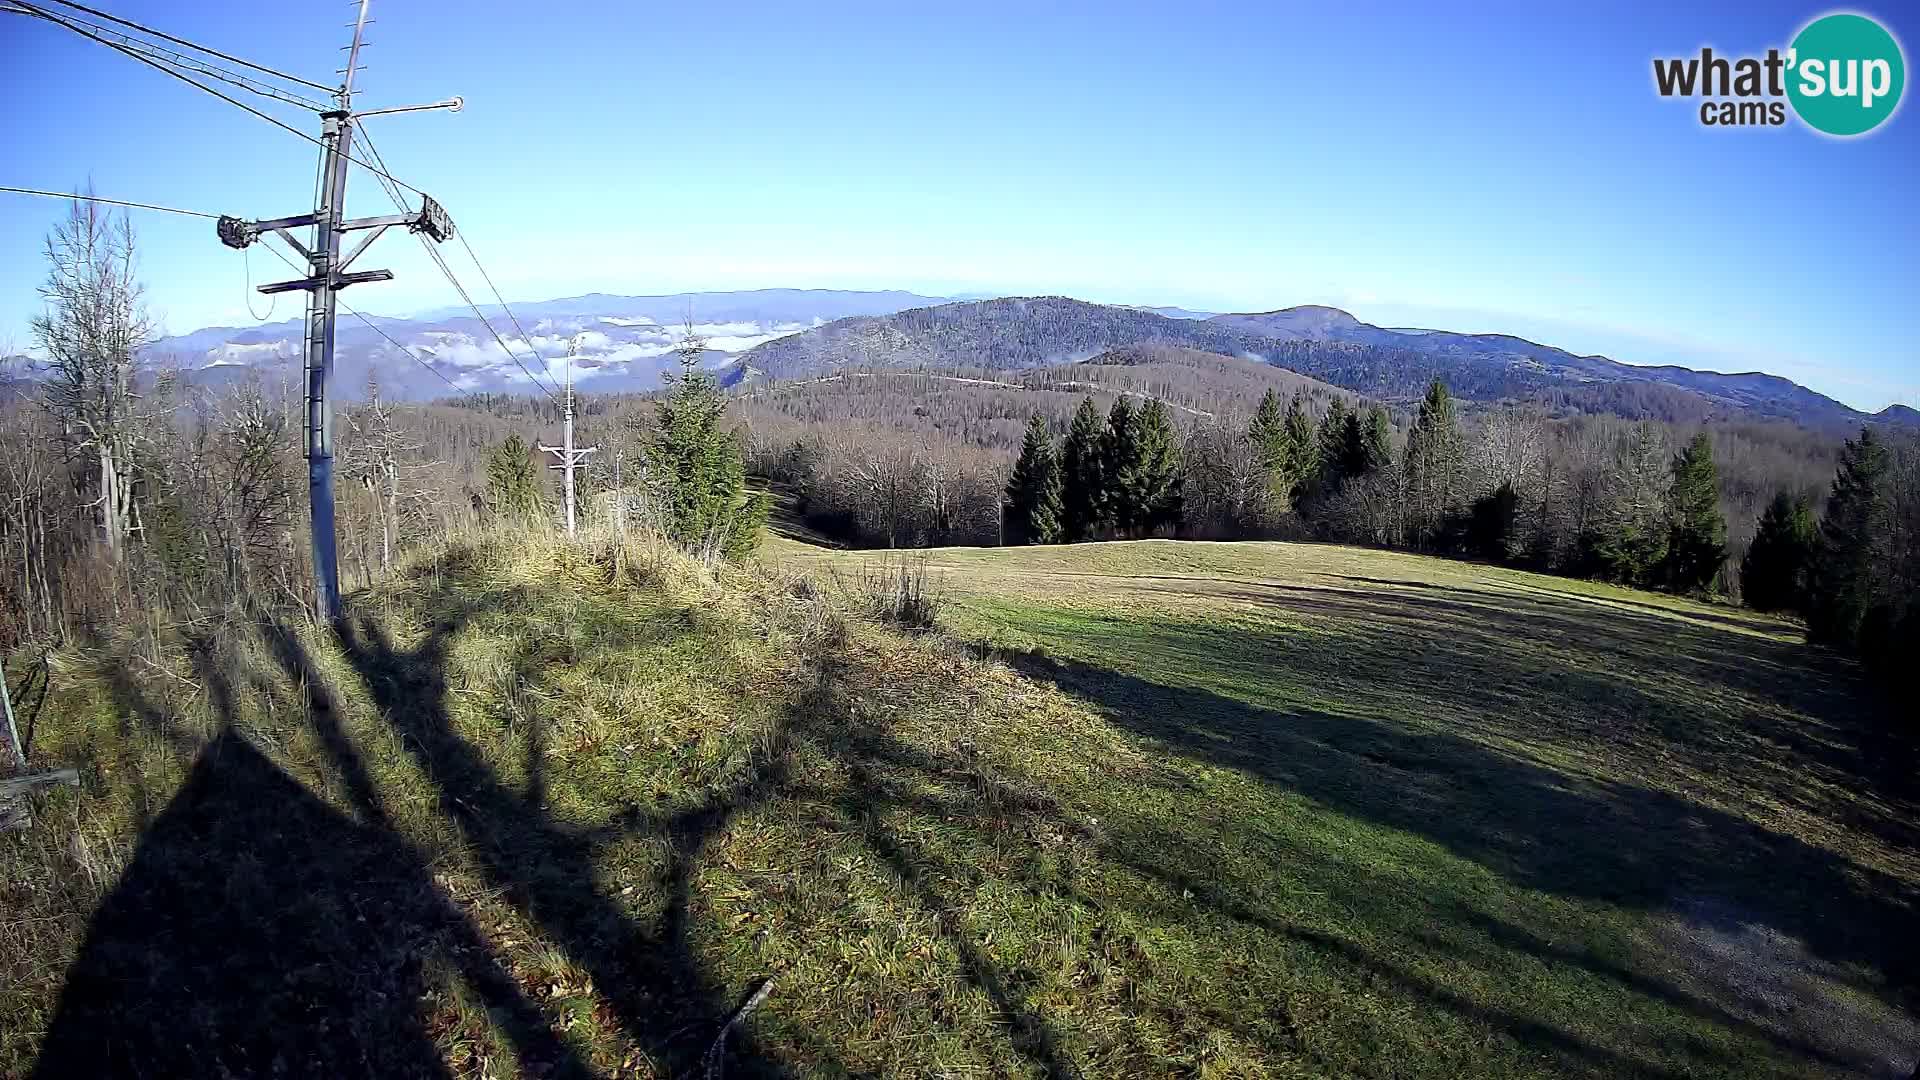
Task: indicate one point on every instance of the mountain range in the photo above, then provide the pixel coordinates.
(625, 343)
(1322, 342)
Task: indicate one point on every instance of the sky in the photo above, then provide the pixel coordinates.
(1506, 170)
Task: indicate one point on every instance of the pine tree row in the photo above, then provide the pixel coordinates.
(1118, 475)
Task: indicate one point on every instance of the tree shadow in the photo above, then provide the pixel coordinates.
(664, 1001)
(886, 774)
(1539, 829)
(262, 931)
(1442, 637)
(259, 931)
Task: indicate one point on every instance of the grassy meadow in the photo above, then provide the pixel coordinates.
(1142, 809)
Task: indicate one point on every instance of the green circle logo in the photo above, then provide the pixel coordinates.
(1845, 74)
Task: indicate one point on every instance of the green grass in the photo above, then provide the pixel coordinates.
(1141, 809)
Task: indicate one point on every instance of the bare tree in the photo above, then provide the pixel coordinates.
(95, 321)
(888, 484)
(29, 490)
(1513, 445)
(381, 459)
(256, 459)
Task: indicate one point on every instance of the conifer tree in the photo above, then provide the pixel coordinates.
(1365, 443)
(701, 467)
(1773, 576)
(1629, 543)
(1330, 446)
(1490, 524)
(1299, 445)
(1159, 489)
(513, 484)
(1081, 475)
(1268, 434)
(1696, 530)
(1434, 455)
(1122, 464)
(1379, 439)
(1032, 512)
(1842, 579)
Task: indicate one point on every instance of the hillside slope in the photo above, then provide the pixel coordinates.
(990, 409)
(1321, 342)
(1006, 334)
(1224, 810)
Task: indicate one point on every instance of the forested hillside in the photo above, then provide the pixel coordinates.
(1004, 334)
(1325, 343)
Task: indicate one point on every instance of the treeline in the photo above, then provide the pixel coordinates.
(880, 458)
(901, 459)
(123, 490)
(1658, 524)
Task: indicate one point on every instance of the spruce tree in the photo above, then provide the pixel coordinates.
(1696, 530)
(1161, 477)
(1366, 443)
(1629, 542)
(1490, 525)
(1032, 512)
(1122, 463)
(1434, 455)
(1379, 439)
(1299, 444)
(707, 509)
(1081, 475)
(1267, 435)
(1773, 576)
(1842, 582)
(1330, 446)
(513, 484)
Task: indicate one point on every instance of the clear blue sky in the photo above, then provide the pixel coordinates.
(1507, 169)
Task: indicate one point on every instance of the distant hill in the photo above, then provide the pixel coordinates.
(627, 342)
(1007, 334)
(1308, 322)
(1899, 416)
(1326, 343)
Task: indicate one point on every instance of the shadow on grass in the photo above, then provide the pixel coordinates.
(662, 999)
(259, 931)
(1539, 829)
(1666, 670)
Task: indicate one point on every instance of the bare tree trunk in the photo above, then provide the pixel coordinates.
(110, 523)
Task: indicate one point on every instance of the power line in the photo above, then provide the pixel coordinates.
(375, 327)
(115, 202)
(488, 278)
(205, 67)
(400, 204)
(23, 5)
(193, 63)
(191, 45)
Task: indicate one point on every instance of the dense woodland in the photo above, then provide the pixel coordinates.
(126, 493)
